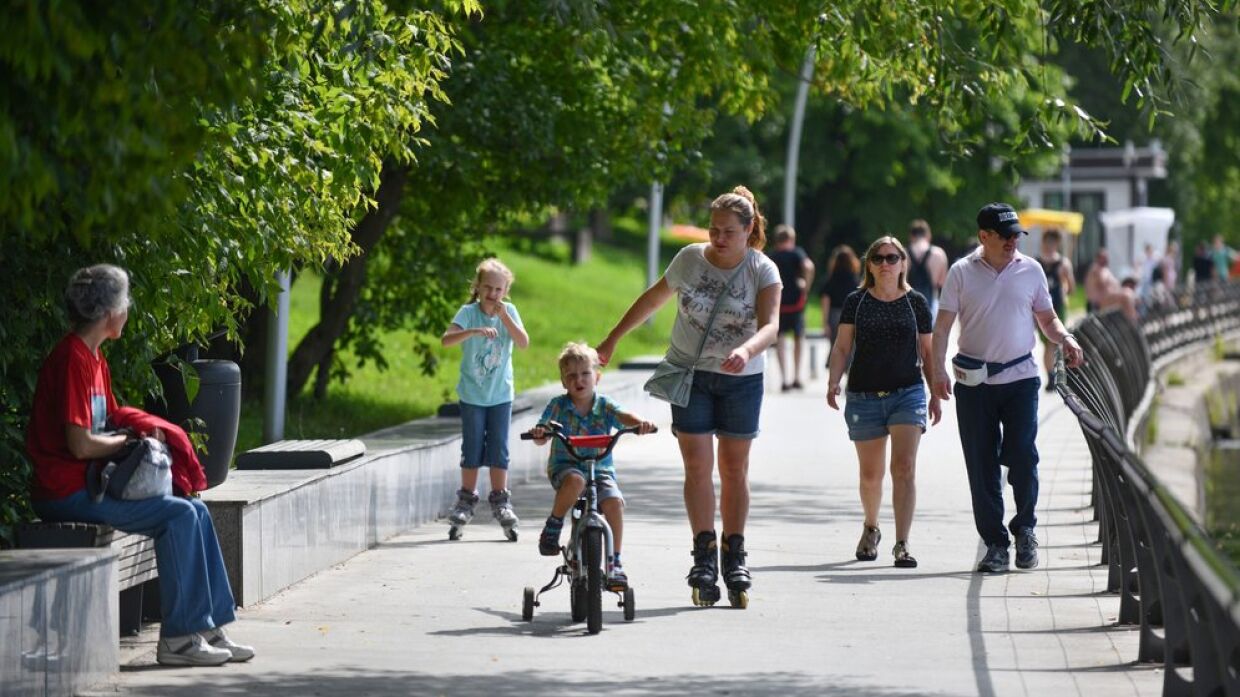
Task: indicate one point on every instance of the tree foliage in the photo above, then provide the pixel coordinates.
(205, 147)
(208, 145)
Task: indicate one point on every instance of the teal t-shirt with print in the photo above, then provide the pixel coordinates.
(602, 419)
(486, 364)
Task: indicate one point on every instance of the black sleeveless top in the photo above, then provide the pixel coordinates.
(919, 274)
(1055, 283)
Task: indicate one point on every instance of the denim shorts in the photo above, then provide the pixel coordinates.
(484, 435)
(869, 414)
(605, 484)
(726, 405)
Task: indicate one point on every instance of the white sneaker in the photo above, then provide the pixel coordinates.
(189, 650)
(218, 639)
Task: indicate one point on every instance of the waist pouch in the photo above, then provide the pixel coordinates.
(971, 371)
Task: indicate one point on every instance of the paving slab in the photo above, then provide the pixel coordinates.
(422, 615)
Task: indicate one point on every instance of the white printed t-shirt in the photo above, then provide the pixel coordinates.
(996, 309)
(698, 283)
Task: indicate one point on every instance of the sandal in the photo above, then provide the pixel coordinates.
(867, 548)
(904, 560)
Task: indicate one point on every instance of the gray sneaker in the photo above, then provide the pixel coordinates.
(1026, 549)
(995, 561)
(190, 650)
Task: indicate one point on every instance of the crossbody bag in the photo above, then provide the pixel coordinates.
(673, 383)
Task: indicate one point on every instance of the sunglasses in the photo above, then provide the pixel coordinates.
(891, 259)
(1006, 234)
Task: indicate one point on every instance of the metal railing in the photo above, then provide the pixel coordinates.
(1173, 583)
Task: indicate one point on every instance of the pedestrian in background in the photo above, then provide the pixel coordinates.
(927, 264)
(843, 269)
(796, 273)
(1061, 282)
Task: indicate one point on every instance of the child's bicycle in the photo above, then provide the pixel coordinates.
(589, 549)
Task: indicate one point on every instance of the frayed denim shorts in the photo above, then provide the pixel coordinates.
(725, 405)
(870, 414)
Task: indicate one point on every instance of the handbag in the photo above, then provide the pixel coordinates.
(672, 382)
(141, 469)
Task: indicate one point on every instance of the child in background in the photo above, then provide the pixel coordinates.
(583, 412)
(486, 328)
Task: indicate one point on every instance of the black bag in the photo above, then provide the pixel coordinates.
(141, 469)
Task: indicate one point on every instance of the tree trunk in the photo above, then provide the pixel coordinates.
(336, 304)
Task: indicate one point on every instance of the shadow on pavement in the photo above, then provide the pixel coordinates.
(327, 683)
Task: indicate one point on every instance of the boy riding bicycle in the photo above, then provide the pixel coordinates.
(583, 411)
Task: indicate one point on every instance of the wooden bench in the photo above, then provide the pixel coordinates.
(136, 571)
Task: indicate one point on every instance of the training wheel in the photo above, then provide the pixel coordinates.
(527, 605)
(630, 609)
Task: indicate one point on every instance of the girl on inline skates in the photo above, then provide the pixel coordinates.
(486, 328)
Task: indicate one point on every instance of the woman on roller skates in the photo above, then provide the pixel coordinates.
(486, 328)
(726, 398)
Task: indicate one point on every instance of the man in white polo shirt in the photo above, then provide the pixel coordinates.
(998, 293)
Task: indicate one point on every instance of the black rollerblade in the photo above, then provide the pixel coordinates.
(461, 513)
(735, 573)
(704, 576)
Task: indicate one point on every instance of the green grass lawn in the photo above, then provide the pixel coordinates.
(558, 302)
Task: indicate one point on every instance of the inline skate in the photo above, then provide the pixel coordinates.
(462, 512)
(735, 574)
(501, 508)
(704, 575)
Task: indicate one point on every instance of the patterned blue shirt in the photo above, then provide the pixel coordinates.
(601, 420)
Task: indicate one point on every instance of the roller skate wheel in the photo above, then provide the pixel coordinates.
(454, 533)
(739, 599)
(705, 598)
(511, 534)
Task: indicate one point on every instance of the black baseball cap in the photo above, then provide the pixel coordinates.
(1001, 218)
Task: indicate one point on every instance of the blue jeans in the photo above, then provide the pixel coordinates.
(484, 435)
(194, 593)
(998, 427)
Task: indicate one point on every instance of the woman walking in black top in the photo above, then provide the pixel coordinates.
(889, 323)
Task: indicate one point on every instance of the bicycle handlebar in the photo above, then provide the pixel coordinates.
(571, 443)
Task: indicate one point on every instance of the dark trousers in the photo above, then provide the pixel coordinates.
(998, 428)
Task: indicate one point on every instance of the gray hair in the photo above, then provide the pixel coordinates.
(95, 292)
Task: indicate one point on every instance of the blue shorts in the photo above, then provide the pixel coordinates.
(726, 405)
(604, 483)
(869, 414)
(484, 435)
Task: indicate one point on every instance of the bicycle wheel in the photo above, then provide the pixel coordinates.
(594, 580)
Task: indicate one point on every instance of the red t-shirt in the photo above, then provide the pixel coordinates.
(75, 387)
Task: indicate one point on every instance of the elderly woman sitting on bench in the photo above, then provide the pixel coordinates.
(72, 405)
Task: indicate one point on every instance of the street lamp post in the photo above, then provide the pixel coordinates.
(794, 137)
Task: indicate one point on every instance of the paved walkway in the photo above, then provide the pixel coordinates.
(421, 615)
